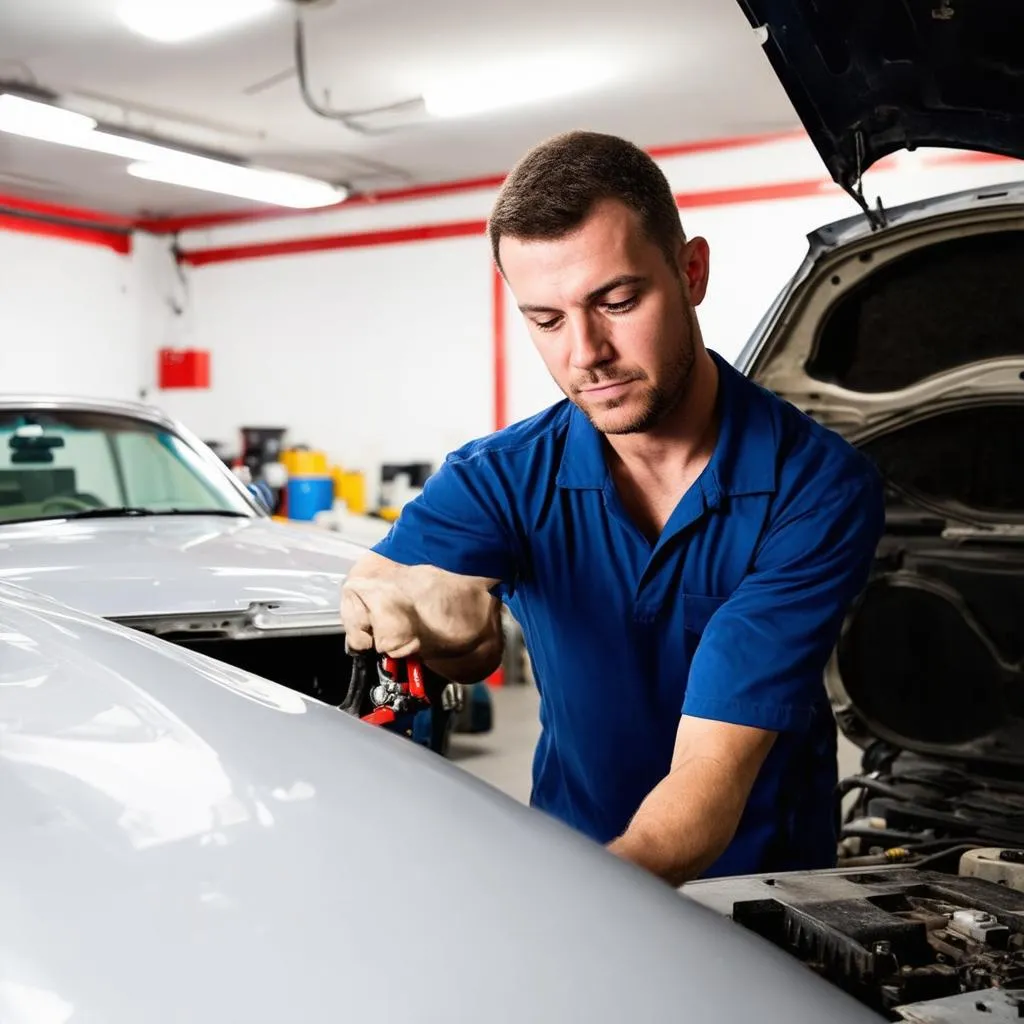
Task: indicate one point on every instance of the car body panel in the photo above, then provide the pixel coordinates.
(184, 841)
(841, 259)
(164, 565)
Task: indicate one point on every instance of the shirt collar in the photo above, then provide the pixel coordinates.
(744, 459)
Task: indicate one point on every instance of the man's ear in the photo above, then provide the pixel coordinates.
(695, 266)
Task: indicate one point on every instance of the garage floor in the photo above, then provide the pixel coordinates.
(503, 756)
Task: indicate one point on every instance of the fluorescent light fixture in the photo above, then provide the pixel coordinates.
(42, 121)
(35, 119)
(514, 85)
(275, 187)
(175, 21)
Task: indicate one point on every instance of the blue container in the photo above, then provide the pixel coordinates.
(308, 495)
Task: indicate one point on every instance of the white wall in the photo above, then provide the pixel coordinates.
(377, 354)
(385, 353)
(69, 318)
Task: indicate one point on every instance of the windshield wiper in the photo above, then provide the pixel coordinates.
(126, 511)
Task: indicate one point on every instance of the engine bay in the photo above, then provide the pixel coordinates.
(913, 945)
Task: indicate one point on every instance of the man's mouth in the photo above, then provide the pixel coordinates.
(606, 388)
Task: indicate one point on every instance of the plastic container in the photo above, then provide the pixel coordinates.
(308, 495)
(302, 462)
(350, 487)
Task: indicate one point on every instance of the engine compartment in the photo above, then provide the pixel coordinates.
(913, 945)
(317, 665)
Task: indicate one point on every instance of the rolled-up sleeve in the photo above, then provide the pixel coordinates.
(459, 523)
(761, 658)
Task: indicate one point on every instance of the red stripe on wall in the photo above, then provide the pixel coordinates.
(171, 225)
(715, 145)
(359, 240)
(457, 229)
(119, 242)
(756, 193)
(500, 361)
(969, 156)
(72, 213)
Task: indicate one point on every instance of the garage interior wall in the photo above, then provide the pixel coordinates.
(384, 351)
(70, 317)
(373, 336)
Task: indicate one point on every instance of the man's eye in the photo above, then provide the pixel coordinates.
(622, 307)
(548, 325)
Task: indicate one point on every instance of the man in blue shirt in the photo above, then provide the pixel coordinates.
(678, 545)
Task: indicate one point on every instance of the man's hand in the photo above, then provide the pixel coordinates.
(450, 621)
(687, 821)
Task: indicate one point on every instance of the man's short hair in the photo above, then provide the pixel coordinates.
(553, 188)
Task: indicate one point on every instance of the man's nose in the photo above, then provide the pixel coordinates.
(590, 344)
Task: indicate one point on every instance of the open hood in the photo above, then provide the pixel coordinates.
(871, 77)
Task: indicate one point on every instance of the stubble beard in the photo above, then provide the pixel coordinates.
(657, 401)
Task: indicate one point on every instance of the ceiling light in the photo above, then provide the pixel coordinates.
(35, 119)
(43, 121)
(274, 187)
(517, 85)
(174, 21)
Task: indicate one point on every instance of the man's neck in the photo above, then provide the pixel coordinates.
(682, 441)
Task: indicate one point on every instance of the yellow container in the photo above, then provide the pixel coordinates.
(350, 487)
(303, 463)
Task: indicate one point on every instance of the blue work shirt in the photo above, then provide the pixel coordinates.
(731, 614)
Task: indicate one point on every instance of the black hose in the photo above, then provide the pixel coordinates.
(873, 785)
(883, 836)
(364, 674)
(934, 845)
(935, 858)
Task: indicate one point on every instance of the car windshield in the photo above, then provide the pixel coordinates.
(67, 463)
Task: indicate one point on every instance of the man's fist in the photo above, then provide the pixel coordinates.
(404, 610)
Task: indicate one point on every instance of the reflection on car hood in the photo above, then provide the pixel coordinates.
(869, 78)
(181, 841)
(169, 565)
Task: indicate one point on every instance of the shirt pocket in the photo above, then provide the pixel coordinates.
(697, 612)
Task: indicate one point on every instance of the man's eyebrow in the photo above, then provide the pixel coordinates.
(615, 282)
(597, 293)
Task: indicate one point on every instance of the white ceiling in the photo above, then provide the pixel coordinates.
(678, 70)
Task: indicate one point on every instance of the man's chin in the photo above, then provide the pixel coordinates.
(609, 418)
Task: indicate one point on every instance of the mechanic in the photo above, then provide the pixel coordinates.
(678, 545)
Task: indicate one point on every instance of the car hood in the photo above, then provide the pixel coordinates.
(184, 841)
(182, 566)
(873, 77)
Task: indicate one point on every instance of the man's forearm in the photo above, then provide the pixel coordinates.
(473, 666)
(685, 823)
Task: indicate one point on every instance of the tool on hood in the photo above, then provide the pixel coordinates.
(391, 692)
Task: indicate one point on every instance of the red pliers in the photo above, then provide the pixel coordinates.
(383, 690)
(401, 689)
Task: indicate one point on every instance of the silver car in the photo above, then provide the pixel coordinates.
(115, 508)
(183, 841)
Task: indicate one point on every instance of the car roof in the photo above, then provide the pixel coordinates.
(114, 406)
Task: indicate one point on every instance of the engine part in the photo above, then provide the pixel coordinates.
(892, 937)
(1004, 866)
